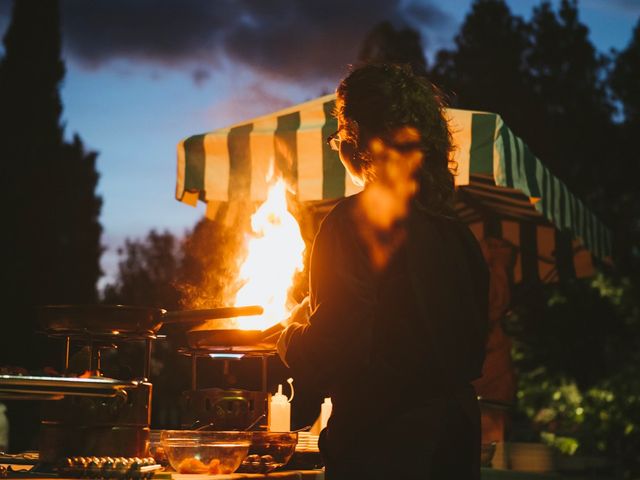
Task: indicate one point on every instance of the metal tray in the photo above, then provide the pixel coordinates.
(50, 388)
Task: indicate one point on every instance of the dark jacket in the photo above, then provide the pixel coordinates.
(382, 345)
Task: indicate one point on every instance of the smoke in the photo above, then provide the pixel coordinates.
(210, 268)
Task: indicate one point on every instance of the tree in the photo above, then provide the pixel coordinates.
(624, 78)
(148, 272)
(197, 271)
(148, 275)
(565, 74)
(576, 348)
(50, 245)
(386, 44)
(625, 201)
(212, 249)
(52, 251)
(548, 82)
(485, 70)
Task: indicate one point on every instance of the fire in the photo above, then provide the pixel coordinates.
(275, 255)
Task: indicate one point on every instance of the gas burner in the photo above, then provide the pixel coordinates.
(224, 409)
(227, 352)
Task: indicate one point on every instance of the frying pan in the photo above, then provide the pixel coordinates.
(216, 335)
(127, 319)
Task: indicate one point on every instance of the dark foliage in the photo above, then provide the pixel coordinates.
(147, 272)
(576, 347)
(623, 197)
(572, 328)
(576, 342)
(210, 265)
(51, 234)
(624, 78)
(485, 70)
(51, 241)
(548, 82)
(386, 44)
(197, 271)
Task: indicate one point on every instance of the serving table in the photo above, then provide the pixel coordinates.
(284, 475)
(487, 474)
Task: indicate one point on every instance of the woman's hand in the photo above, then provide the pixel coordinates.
(299, 314)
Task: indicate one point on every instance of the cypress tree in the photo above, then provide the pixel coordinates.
(50, 244)
(51, 248)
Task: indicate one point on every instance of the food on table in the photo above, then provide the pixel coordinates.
(192, 465)
(269, 450)
(214, 467)
(205, 452)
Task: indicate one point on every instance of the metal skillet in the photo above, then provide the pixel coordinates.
(127, 319)
(216, 335)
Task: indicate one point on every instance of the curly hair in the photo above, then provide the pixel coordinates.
(374, 100)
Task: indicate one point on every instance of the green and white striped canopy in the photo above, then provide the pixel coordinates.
(499, 179)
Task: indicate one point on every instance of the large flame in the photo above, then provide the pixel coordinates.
(275, 255)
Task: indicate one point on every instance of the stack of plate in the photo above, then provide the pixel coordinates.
(307, 442)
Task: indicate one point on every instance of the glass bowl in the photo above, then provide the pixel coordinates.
(199, 451)
(268, 451)
(155, 448)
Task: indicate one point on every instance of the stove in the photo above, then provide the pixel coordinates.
(91, 416)
(225, 408)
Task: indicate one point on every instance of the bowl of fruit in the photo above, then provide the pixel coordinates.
(202, 451)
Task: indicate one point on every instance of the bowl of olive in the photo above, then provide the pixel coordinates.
(268, 451)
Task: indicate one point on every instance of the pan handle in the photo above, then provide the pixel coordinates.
(272, 333)
(189, 316)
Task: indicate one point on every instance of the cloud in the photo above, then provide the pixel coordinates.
(5, 8)
(165, 32)
(421, 14)
(307, 39)
(625, 7)
(283, 39)
(200, 75)
(5, 14)
(628, 6)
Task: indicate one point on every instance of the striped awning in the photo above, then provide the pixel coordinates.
(498, 177)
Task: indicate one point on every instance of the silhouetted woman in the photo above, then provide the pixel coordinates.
(398, 293)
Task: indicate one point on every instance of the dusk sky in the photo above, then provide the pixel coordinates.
(143, 74)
